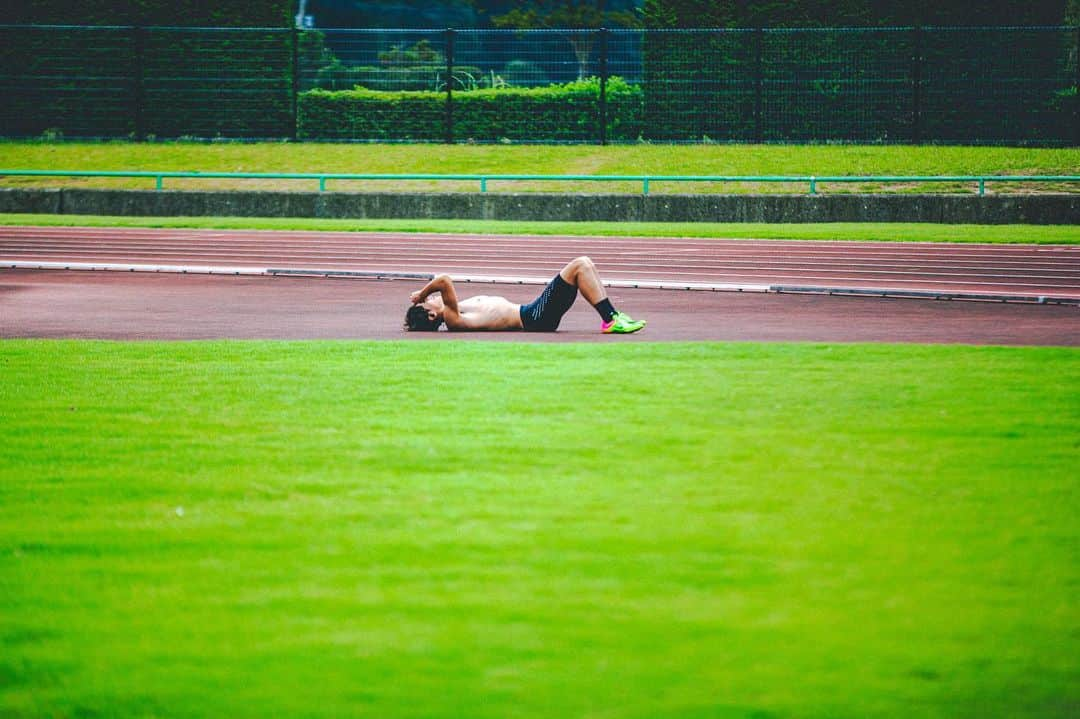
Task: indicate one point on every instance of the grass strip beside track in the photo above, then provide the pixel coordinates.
(489, 530)
(873, 232)
(536, 159)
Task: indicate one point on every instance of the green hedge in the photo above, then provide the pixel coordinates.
(556, 113)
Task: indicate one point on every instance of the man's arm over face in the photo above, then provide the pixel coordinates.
(445, 287)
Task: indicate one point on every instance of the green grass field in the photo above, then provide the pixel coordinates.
(881, 232)
(536, 159)
(422, 529)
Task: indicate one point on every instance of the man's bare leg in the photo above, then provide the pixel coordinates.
(581, 273)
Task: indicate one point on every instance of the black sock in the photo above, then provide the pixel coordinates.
(605, 309)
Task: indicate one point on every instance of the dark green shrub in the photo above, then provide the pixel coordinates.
(363, 114)
(557, 113)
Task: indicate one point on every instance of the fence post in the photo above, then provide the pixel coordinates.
(603, 84)
(449, 87)
(295, 83)
(916, 89)
(759, 85)
(1076, 98)
(139, 39)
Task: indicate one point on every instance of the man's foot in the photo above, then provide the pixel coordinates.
(621, 324)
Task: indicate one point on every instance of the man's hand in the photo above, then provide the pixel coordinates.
(445, 287)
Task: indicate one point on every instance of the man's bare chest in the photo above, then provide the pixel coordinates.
(490, 312)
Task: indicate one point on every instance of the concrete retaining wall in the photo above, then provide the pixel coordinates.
(950, 209)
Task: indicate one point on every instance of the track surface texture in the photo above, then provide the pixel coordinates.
(115, 305)
(126, 305)
(984, 269)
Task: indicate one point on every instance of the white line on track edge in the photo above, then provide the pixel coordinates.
(490, 279)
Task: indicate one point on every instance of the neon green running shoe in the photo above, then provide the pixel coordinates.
(621, 324)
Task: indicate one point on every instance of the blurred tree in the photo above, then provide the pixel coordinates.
(422, 53)
(1072, 12)
(393, 13)
(568, 14)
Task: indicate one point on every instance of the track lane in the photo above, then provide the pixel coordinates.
(945, 268)
(142, 306)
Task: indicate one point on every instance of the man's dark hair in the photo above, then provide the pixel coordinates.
(417, 320)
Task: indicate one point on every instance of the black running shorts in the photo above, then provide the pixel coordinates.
(545, 312)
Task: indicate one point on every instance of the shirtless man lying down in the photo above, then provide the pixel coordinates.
(438, 302)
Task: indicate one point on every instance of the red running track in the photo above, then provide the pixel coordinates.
(1001, 270)
(144, 306)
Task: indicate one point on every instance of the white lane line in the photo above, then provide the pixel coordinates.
(527, 280)
(124, 267)
(653, 283)
(838, 271)
(849, 259)
(535, 280)
(373, 274)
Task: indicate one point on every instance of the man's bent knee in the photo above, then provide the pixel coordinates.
(581, 263)
(575, 267)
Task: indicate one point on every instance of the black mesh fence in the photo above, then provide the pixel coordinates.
(532, 84)
(142, 82)
(232, 83)
(944, 85)
(77, 81)
(701, 85)
(383, 60)
(866, 85)
(1015, 85)
(375, 85)
(822, 84)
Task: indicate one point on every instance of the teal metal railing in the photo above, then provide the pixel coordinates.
(812, 181)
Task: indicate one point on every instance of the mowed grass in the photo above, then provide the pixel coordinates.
(535, 159)
(871, 232)
(411, 529)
